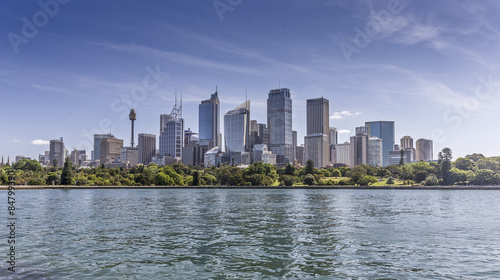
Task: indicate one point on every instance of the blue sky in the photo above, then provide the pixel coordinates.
(430, 66)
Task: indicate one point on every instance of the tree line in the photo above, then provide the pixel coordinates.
(472, 169)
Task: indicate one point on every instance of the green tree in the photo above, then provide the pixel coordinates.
(390, 181)
(55, 163)
(406, 173)
(474, 157)
(309, 167)
(484, 177)
(288, 180)
(464, 163)
(356, 177)
(458, 176)
(488, 163)
(309, 180)
(27, 165)
(67, 173)
(421, 176)
(162, 179)
(444, 160)
(289, 170)
(431, 180)
(336, 173)
(367, 180)
(196, 178)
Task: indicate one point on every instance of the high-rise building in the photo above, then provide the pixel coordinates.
(316, 148)
(78, 156)
(317, 118)
(209, 121)
(395, 156)
(147, 148)
(332, 141)
(406, 142)
(97, 144)
(359, 148)
(343, 153)
(299, 154)
(424, 150)
(237, 129)
(172, 132)
(316, 143)
(130, 154)
(57, 152)
(374, 151)
(110, 149)
(294, 141)
(384, 130)
(279, 124)
(132, 117)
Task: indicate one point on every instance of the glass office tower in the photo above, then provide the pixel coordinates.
(279, 124)
(384, 130)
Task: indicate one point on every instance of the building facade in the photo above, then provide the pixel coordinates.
(374, 151)
(237, 129)
(343, 153)
(406, 142)
(146, 148)
(317, 149)
(97, 144)
(424, 150)
(317, 116)
(172, 132)
(279, 124)
(384, 130)
(209, 121)
(110, 149)
(57, 152)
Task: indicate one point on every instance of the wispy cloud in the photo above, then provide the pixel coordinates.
(180, 58)
(344, 131)
(343, 114)
(40, 142)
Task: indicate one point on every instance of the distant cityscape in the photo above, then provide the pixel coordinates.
(246, 141)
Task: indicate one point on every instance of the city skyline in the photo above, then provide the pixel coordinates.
(430, 71)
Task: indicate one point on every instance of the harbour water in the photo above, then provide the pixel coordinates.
(255, 234)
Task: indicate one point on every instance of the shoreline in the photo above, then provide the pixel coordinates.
(59, 187)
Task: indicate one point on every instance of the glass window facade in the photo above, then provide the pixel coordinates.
(384, 130)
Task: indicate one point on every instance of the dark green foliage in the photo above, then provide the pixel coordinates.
(421, 176)
(367, 180)
(27, 164)
(390, 181)
(309, 167)
(196, 178)
(67, 173)
(309, 180)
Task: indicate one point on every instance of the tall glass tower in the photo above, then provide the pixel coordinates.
(209, 121)
(384, 130)
(237, 128)
(172, 132)
(279, 124)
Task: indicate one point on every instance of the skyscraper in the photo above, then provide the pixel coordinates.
(316, 143)
(57, 152)
(110, 149)
(424, 150)
(374, 151)
(172, 132)
(359, 148)
(147, 147)
(279, 124)
(294, 141)
(384, 130)
(332, 141)
(97, 144)
(406, 142)
(317, 116)
(209, 121)
(237, 128)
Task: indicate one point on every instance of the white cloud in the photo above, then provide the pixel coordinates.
(344, 131)
(15, 141)
(343, 114)
(40, 142)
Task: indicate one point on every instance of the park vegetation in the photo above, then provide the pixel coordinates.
(472, 169)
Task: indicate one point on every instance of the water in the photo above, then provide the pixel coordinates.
(255, 234)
